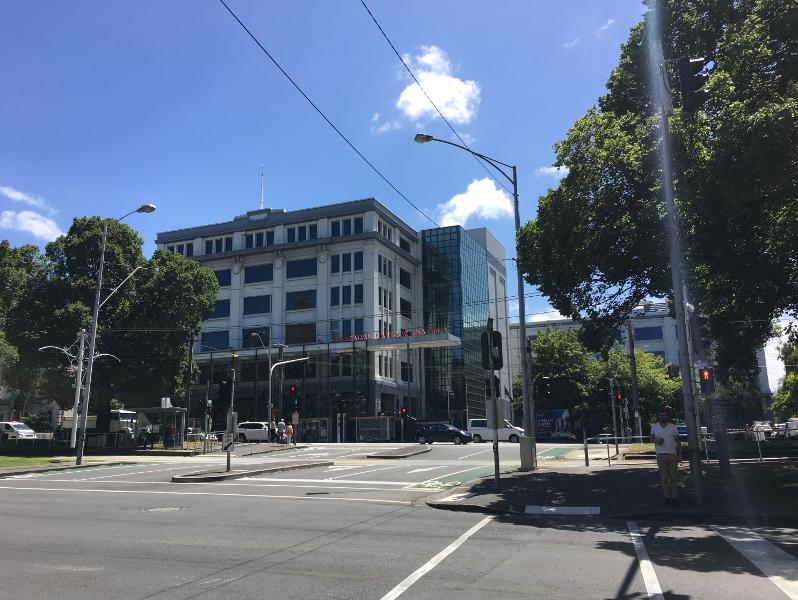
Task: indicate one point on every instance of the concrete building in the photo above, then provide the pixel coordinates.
(345, 285)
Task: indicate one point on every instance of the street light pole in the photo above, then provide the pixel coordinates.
(528, 457)
(81, 441)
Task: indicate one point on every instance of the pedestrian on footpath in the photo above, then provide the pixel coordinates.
(272, 431)
(280, 431)
(289, 433)
(667, 447)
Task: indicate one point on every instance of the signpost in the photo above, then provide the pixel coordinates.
(492, 359)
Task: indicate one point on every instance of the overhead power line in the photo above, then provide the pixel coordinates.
(324, 116)
(421, 87)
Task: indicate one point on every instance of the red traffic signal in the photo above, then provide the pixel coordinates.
(707, 380)
(403, 410)
(618, 396)
(292, 389)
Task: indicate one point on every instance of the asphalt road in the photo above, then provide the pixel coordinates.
(358, 529)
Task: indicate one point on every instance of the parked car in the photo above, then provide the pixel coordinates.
(764, 427)
(602, 438)
(14, 430)
(441, 432)
(508, 432)
(253, 431)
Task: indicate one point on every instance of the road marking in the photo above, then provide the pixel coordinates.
(303, 480)
(434, 561)
(144, 472)
(777, 565)
(425, 469)
(340, 468)
(646, 568)
(562, 510)
(474, 454)
(362, 472)
(235, 494)
(455, 497)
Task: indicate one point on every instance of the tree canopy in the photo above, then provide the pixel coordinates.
(147, 324)
(598, 245)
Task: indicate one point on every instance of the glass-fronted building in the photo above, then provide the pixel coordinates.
(454, 267)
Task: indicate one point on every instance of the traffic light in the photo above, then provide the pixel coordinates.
(208, 406)
(293, 395)
(619, 397)
(403, 410)
(691, 80)
(707, 379)
(498, 360)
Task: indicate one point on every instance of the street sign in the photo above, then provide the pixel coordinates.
(227, 442)
(295, 418)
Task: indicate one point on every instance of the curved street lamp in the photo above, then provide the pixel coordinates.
(527, 462)
(144, 208)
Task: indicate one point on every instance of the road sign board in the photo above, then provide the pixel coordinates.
(227, 442)
(295, 418)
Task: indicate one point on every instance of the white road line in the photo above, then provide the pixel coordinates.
(474, 454)
(78, 470)
(446, 475)
(434, 561)
(425, 469)
(144, 472)
(650, 580)
(303, 480)
(340, 468)
(236, 494)
(777, 565)
(362, 472)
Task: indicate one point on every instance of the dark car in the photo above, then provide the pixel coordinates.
(441, 432)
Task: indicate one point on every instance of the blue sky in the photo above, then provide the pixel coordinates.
(105, 105)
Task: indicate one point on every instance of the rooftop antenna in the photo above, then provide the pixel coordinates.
(261, 188)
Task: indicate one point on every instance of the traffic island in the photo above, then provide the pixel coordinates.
(206, 476)
(401, 452)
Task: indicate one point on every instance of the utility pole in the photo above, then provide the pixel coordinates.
(633, 365)
(73, 435)
(231, 424)
(614, 416)
(659, 75)
(189, 379)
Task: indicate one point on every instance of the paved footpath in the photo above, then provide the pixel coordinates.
(357, 529)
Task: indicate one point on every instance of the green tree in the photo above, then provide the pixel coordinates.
(598, 247)
(785, 401)
(561, 370)
(146, 324)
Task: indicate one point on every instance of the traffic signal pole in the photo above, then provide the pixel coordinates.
(493, 406)
(664, 100)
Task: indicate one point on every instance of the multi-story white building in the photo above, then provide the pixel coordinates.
(341, 283)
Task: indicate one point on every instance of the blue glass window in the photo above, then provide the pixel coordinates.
(258, 273)
(347, 295)
(358, 261)
(347, 262)
(254, 305)
(223, 277)
(648, 333)
(300, 300)
(215, 340)
(291, 234)
(313, 231)
(305, 267)
(270, 238)
(359, 293)
(358, 224)
(335, 263)
(346, 327)
(359, 327)
(336, 229)
(221, 309)
(335, 298)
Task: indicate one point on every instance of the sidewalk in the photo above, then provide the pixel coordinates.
(633, 491)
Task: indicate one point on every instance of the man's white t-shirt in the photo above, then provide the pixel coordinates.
(669, 434)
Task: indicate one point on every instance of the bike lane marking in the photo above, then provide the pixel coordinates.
(650, 580)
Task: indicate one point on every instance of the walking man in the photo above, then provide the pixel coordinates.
(666, 444)
(280, 431)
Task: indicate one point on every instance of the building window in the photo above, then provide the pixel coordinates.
(223, 277)
(251, 341)
(405, 308)
(648, 333)
(335, 329)
(221, 309)
(249, 241)
(291, 234)
(404, 244)
(358, 225)
(347, 295)
(302, 300)
(300, 333)
(385, 266)
(258, 273)
(347, 263)
(215, 340)
(208, 246)
(407, 372)
(313, 231)
(336, 229)
(218, 245)
(358, 261)
(228, 244)
(385, 230)
(347, 227)
(405, 279)
(301, 233)
(335, 263)
(259, 239)
(255, 305)
(270, 238)
(190, 249)
(305, 267)
(335, 298)
(359, 330)
(346, 328)
(358, 293)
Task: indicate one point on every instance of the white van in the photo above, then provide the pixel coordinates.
(507, 431)
(14, 430)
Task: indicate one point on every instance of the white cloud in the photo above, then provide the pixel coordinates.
(456, 98)
(550, 315)
(375, 118)
(482, 199)
(378, 128)
(25, 198)
(605, 27)
(41, 227)
(571, 44)
(556, 172)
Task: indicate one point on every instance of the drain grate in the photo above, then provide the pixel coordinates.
(164, 509)
(562, 510)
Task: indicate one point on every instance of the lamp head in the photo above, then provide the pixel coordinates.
(423, 138)
(146, 208)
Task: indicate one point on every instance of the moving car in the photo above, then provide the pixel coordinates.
(253, 431)
(441, 432)
(14, 430)
(508, 432)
